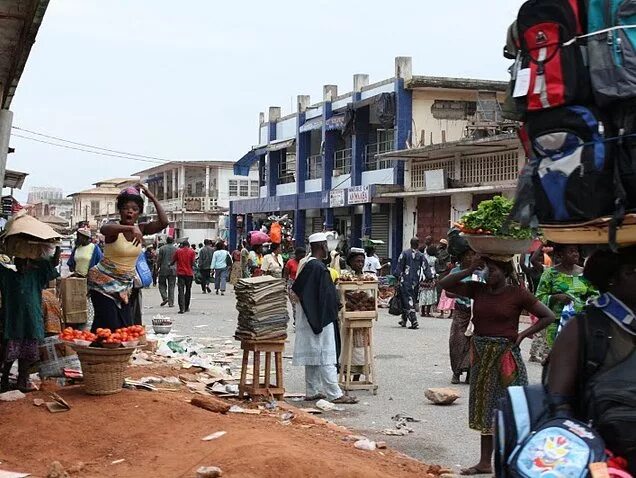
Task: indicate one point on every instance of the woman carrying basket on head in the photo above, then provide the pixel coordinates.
(110, 282)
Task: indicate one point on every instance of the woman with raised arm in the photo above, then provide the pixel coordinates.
(111, 281)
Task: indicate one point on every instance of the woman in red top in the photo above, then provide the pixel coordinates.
(496, 361)
(289, 272)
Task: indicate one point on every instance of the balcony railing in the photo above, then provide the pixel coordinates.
(342, 161)
(314, 166)
(371, 161)
(190, 203)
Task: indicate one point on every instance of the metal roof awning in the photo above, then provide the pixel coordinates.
(447, 192)
(311, 125)
(336, 122)
(492, 144)
(242, 166)
(14, 179)
(279, 145)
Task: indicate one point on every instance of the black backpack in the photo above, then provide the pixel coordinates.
(609, 394)
(568, 157)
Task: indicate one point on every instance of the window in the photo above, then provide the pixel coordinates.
(342, 161)
(233, 188)
(95, 208)
(314, 167)
(254, 189)
(384, 143)
(244, 188)
(287, 168)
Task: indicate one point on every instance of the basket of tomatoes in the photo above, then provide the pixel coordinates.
(105, 360)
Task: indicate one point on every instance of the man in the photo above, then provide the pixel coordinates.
(317, 325)
(410, 263)
(184, 259)
(167, 274)
(151, 260)
(371, 262)
(205, 265)
(443, 258)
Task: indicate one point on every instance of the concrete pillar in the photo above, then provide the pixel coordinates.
(302, 144)
(165, 185)
(403, 125)
(249, 223)
(328, 216)
(329, 148)
(356, 228)
(300, 220)
(360, 80)
(182, 180)
(233, 237)
(366, 221)
(359, 143)
(273, 157)
(329, 92)
(274, 114)
(303, 102)
(175, 189)
(404, 67)
(397, 228)
(207, 190)
(6, 120)
(461, 203)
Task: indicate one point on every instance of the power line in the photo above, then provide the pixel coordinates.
(87, 145)
(89, 151)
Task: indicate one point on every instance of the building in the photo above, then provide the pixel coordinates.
(196, 195)
(20, 21)
(326, 165)
(37, 194)
(93, 205)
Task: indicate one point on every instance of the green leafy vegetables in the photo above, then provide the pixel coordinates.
(491, 218)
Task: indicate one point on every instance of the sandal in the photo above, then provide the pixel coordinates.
(346, 400)
(313, 398)
(455, 379)
(473, 470)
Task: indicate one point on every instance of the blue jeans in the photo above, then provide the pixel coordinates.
(220, 278)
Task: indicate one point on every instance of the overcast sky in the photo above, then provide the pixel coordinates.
(186, 80)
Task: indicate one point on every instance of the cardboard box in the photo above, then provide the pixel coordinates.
(73, 291)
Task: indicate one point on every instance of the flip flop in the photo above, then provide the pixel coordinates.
(473, 470)
(313, 398)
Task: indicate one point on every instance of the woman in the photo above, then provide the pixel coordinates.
(245, 256)
(236, 273)
(289, 272)
(495, 356)
(110, 282)
(458, 342)
(220, 266)
(21, 315)
(273, 262)
(428, 287)
(559, 286)
(570, 379)
(85, 254)
(255, 260)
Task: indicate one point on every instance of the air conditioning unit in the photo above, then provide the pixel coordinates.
(435, 180)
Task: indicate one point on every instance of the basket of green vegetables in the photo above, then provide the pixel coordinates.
(488, 229)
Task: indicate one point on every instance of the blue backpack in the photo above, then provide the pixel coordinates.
(567, 155)
(530, 442)
(612, 50)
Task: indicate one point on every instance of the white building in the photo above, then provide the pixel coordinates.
(92, 205)
(196, 195)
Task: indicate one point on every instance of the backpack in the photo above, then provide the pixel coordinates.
(549, 69)
(609, 395)
(612, 50)
(530, 442)
(567, 157)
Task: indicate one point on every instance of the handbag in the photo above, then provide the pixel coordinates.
(395, 304)
(143, 271)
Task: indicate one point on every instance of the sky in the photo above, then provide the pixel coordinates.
(186, 80)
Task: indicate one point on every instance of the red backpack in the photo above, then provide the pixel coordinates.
(550, 70)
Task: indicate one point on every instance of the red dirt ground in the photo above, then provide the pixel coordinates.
(159, 435)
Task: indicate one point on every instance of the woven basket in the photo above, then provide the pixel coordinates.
(103, 369)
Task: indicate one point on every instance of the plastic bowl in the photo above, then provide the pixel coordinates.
(83, 343)
(162, 329)
(111, 346)
(130, 343)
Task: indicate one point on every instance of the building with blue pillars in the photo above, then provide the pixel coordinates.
(323, 164)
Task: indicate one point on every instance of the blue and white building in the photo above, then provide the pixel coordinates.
(324, 165)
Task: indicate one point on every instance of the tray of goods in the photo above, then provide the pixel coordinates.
(489, 231)
(349, 277)
(591, 232)
(359, 301)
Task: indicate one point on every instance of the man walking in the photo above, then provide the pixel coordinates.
(316, 325)
(205, 265)
(167, 274)
(184, 258)
(411, 264)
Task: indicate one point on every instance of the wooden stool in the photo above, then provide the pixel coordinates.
(349, 325)
(256, 388)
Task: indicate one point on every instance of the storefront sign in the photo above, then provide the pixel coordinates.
(336, 198)
(358, 195)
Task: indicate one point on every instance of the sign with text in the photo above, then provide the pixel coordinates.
(336, 198)
(358, 195)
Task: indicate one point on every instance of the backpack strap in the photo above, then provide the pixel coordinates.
(594, 329)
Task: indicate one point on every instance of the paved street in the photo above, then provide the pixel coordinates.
(407, 363)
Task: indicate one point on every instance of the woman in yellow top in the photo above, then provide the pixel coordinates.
(111, 281)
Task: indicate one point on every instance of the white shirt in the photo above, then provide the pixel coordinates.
(372, 265)
(273, 264)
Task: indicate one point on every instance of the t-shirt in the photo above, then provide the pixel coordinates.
(219, 259)
(498, 315)
(184, 258)
(273, 264)
(292, 268)
(372, 264)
